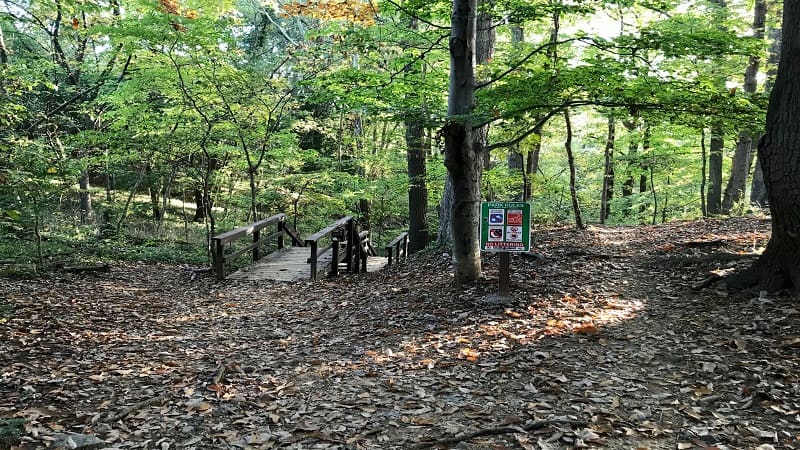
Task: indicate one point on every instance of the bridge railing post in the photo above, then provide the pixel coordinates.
(257, 248)
(335, 256)
(217, 251)
(313, 260)
(362, 250)
(356, 248)
(350, 233)
(281, 232)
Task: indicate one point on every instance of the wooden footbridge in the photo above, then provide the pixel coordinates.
(339, 247)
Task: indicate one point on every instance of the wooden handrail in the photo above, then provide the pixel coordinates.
(219, 241)
(329, 229)
(397, 247)
(348, 231)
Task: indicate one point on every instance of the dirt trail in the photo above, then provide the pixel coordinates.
(603, 335)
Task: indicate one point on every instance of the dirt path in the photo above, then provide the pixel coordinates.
(604, 337)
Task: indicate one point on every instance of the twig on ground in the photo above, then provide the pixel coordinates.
(137, 406)
(219, 375)
(494, 432)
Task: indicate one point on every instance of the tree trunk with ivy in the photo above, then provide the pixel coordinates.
(779, 152)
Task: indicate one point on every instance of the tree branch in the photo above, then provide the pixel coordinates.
(411, 14)
(522, 61)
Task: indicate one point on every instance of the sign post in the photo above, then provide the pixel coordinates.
(505, 228)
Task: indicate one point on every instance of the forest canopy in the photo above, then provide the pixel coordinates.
(164, 123)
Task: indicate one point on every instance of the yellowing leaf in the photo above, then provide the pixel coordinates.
(468, 354)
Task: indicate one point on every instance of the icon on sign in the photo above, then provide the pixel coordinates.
(496, 216)
(514, 234)
(495, 234)
(514, 217)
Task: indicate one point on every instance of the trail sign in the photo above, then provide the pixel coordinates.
(505, 226)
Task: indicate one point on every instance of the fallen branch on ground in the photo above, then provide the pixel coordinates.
(494, 432)
(137, 406)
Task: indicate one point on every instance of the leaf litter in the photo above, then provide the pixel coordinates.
(605, 342)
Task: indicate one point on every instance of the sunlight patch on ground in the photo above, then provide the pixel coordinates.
(519, 328)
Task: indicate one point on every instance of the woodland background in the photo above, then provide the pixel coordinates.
(139, 129)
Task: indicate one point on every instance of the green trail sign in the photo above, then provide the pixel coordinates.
(505, 226)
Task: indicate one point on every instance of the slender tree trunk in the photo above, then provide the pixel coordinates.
(3, 49)
(703, 168)
(714, 200)
(715, 157)
(608, 172)
(463, 160)
(742, 157)
(251, 175)
(631, 126)
(417, 189)
(155, 205)
(532, 163)
(573, 192)
(485, 39)
(200, 210)
(166, 194)
(417, 169)
(445, 231)
(758, 191)
(646, 167)
(85, 197)
(128, 201)
(153, 190)
(779, 152)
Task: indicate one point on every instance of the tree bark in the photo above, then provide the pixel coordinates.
(631, 125)
(462, 157)
(608, 172)
(573, 192)
(417, 189)
(742, 157)
(758, 192)
(85, 197)
(3, 49)
(779, 152)
(485, 39)
(714, 197)
(703, 168)
(416, 158)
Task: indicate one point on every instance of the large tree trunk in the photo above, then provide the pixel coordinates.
(742, 157)
(462, 158)
(779, 152)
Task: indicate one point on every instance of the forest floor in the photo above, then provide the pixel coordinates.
(606, 342)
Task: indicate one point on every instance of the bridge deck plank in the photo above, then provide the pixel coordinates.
(291, 264)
